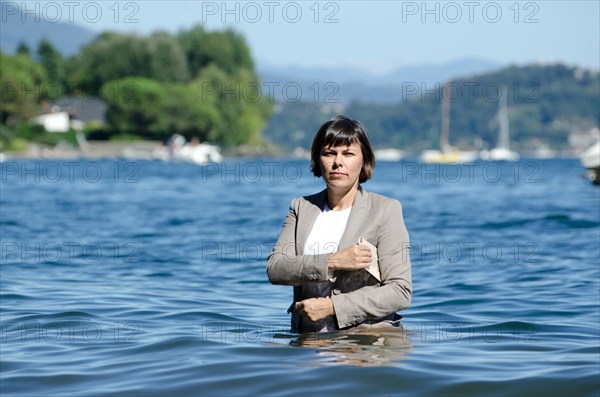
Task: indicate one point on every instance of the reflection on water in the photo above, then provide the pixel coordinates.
(360, 346)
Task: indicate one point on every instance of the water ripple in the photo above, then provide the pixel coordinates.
(177, 301)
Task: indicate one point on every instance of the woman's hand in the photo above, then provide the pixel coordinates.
(352, 258)
(315, 308)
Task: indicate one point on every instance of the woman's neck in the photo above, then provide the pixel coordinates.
(340, 200)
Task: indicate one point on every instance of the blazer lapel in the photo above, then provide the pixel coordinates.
(307, 218)
(357, 214)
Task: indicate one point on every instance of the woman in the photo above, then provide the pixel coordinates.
(318, 250)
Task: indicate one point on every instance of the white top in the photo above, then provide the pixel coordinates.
(324, 238)
(326, 233)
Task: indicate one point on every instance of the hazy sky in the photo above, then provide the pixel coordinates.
(374, 35)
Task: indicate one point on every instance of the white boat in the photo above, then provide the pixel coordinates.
(502, 151)
(499, 154)
(389, 154)
(543, 151)
(447, 154)
(194, 152)
(198, 154)
(590, 159)
(301, 153)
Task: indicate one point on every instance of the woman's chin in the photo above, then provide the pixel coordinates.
(336, 182)
(340, 184)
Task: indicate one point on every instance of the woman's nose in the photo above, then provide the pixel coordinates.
(337, 160)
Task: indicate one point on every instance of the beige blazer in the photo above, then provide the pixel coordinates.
(357, 296)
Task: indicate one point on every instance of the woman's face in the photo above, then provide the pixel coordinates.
(341, 165)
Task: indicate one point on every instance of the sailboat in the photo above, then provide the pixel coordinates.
(502, 151)
(447, 154)
(590, 159)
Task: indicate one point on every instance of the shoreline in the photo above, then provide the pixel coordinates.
(143, 150)
(91, 150)
(130, 150)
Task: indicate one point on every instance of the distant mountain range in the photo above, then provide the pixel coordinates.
(344, 85)
(321, 85)
(22, 27)
(422, 72)
(554, 105)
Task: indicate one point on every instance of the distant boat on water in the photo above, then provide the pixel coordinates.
(177, 149)
(389, 154)
(502, 151)
(448, 156)
(447, 153)
(590, 159)
(543, 151)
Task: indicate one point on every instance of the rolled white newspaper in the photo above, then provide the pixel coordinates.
(374, 267)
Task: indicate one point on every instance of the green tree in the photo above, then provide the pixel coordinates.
(190, 115)
(156, 110)
(114, 56)
(168, 60)
(23, 49)
(21, 87)
(242, 106)
(227, 50)
(223, 104)
(52, 61)
(136, 106)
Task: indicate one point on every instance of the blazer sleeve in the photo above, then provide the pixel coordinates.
(285, 266)
(395, 292)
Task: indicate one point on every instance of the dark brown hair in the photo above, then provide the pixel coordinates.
(342, 131)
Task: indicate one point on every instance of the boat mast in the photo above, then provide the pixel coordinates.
(503, 139)
(445, 126)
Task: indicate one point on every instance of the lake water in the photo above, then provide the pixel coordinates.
(144, 278)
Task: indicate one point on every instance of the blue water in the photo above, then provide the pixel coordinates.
(148, 279)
